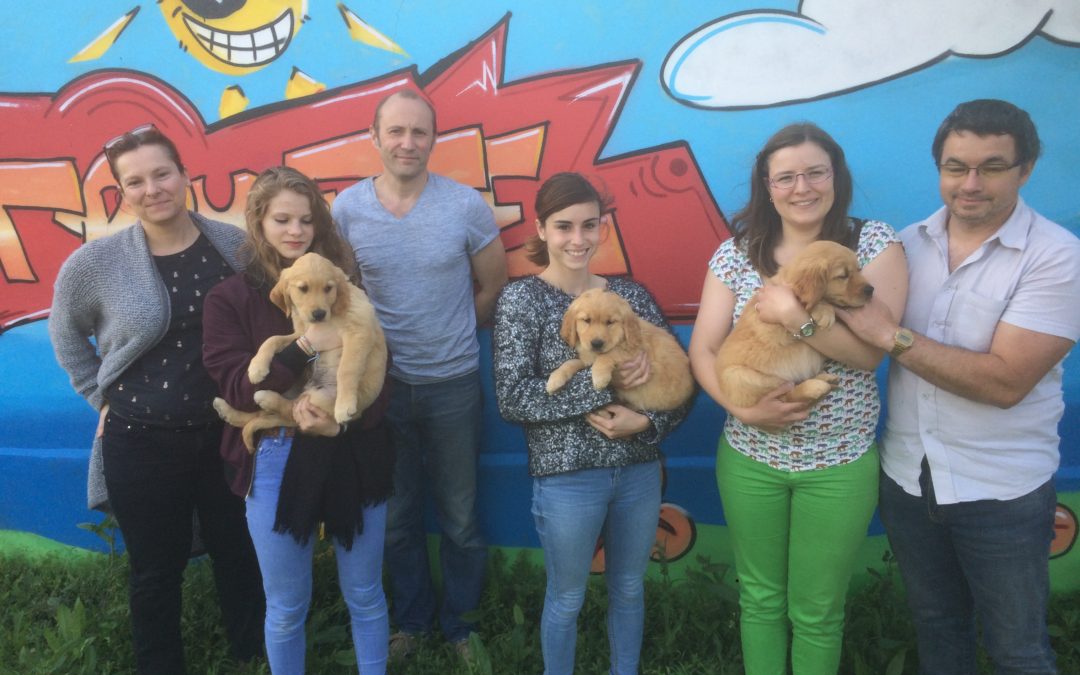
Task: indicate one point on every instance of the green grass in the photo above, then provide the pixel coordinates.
(68, 614)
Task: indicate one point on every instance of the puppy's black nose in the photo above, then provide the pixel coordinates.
(597, 344)
(318, 315)
(868, 291)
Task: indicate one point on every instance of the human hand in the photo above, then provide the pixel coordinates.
(632, 372)
(101, 421)
(777, 304)
(771, 414)
(322, 337)
(617, 421)
(313, 420)
(873, 323)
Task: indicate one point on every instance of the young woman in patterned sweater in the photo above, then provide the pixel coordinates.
(798, 483)
(595, 463)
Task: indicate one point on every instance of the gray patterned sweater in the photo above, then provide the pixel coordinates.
(111, 290)
(528, 347)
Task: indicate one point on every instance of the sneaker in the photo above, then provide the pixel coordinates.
(463, 650)
(403, 644)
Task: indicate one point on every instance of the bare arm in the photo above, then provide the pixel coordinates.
(713, 324)
(1017, 360)
(887, 273)
(489, 268)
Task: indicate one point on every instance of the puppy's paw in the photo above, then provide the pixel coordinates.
(824, 315)
(257, 372)
(828, 377)
(263, 398)
(811, 390)
(345, 410)
(222, 408)
(600, 379)
(556, 381)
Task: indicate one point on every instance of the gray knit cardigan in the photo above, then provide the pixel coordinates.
(110, 290)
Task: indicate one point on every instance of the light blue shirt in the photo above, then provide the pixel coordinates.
(417, 271)
(1026, 274)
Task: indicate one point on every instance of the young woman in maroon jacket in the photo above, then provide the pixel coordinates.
(325, 472)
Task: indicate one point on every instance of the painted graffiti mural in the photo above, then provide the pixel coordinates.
(493, 137)
(663, 109)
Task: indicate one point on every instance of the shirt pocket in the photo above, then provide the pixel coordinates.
(974, 319)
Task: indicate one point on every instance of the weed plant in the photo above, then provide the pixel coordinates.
(69, 615)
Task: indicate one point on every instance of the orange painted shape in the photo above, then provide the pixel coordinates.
(675, 534)
(460, 155)
(102, 201)
(610, 258)
(352, 156)
(505, 214)
(50, 184)
(517, 153)
(1064, 531)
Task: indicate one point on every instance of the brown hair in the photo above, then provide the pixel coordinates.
(146, 134)
(557, 193)
(757, 226)
(264, 263)
(410, 95)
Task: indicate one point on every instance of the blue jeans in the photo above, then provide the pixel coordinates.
(988, 558)
(571, 511)
(436, 433)
(286, 573)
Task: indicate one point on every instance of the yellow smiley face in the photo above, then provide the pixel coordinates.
(235, 37)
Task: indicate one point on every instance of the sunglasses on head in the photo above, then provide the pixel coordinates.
(134, 133)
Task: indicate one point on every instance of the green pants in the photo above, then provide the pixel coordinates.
(795, 536)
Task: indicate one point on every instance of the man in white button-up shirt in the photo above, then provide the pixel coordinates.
(971, 444)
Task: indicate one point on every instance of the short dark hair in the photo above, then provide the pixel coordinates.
(410, 95)
(146, 134)
(991, 117)
(757, 226)
(557, 193)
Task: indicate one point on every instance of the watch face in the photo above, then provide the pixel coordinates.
(807, 329)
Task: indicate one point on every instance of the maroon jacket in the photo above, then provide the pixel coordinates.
(237, 318)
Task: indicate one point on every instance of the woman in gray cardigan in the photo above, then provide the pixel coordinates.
(138, 296)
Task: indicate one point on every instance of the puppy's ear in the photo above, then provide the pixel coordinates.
(279, 294)
(342, 299)
(808, 281)
(568, 332)
(632, 329)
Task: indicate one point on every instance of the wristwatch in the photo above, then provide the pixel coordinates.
(806, 330)
(902, 341)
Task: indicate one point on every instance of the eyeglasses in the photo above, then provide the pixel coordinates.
(988, 170)
(786, 181)
(140, 130)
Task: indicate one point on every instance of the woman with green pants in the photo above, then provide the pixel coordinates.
(798, 482)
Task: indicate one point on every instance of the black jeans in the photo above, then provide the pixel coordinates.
(157, 480)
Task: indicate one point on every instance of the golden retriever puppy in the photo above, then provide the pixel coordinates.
(343, 381)
(758, 357)
(605, 331)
